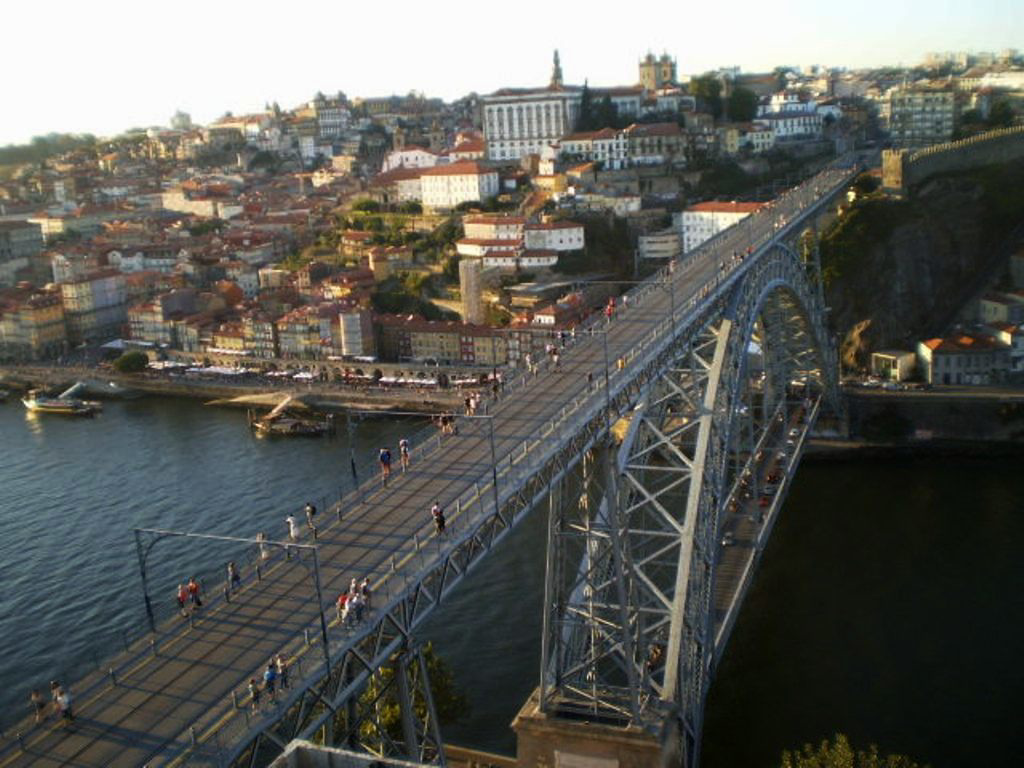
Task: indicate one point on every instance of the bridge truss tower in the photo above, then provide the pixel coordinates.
(638, 606)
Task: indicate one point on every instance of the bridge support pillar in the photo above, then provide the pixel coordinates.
(543, 739)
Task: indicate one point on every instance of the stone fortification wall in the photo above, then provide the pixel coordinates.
(902, 170)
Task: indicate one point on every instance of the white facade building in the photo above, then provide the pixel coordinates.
(519, 122)
(554, 236)
(445, 186)
(410, 157)
(607, 146)
(792, 125)
(494, 227)
(703, 221)
(403, 184)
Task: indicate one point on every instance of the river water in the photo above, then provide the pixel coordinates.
(888, 604)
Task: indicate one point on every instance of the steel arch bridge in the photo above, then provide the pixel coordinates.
(663, 446)
(643, 473)
(637, 614)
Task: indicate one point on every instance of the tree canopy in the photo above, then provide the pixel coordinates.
(131, 362)
(839, 754)
(366, 205)
(43, 147)
(449, 702)
(742, 105)
(707, 89)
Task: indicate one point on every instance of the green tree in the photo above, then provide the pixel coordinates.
(865, 184)
(450, 703)
(707, 89)
(205, 227)
(585, 118)
(607, 114)
(1001, 114)
(742, 105)
(410, 206)
(451, 268)
(971, 117)
(43, 147)
(366, 205)
(131, 362)
(839, 754)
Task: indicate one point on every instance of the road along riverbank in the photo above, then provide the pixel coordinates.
(238, 391)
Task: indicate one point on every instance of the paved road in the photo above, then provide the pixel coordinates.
(145, 719)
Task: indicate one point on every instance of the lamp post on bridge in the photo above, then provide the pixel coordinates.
(143, 553)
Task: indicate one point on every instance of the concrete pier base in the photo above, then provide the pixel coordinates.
(553, 742)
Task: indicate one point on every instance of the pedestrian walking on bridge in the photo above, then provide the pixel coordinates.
(342, 606)
(64, 705)
(438, 516)
(182, 599)
(310, 514)
(385, 464)
(38, 705)
(293, 527)
(364, 590)
(403, 453)
(234, 577)
(193, 593)
(254, 694)
(282, 671)
(270, 679)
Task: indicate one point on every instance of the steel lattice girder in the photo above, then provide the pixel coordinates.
(674, 468)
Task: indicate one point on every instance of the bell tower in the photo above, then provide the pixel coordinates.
(556, 73)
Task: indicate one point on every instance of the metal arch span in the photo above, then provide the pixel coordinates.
(631, 623)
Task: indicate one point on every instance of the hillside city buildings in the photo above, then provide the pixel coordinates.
(330, 230)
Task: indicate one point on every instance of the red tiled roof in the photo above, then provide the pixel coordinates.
(417, 323)
(562, 224)
(487, 242)
(962, 343)
(604, 133)
(485, 219)
(654, 129)
(401, 173)
(462, 168)
(470, 146)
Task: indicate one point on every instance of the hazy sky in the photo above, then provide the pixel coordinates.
(106, 65)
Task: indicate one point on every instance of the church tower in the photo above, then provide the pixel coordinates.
(556, 73)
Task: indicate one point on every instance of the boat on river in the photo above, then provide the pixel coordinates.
(281, 422)
(65, 403)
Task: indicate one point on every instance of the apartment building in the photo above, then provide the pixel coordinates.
(703, 221)
(31, 325)
(94, 306)
(920, 116)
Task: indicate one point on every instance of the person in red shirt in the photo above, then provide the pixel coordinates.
(182, 598)
(342, 599)
(193, 592)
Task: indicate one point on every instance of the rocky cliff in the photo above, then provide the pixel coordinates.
(898, 270)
